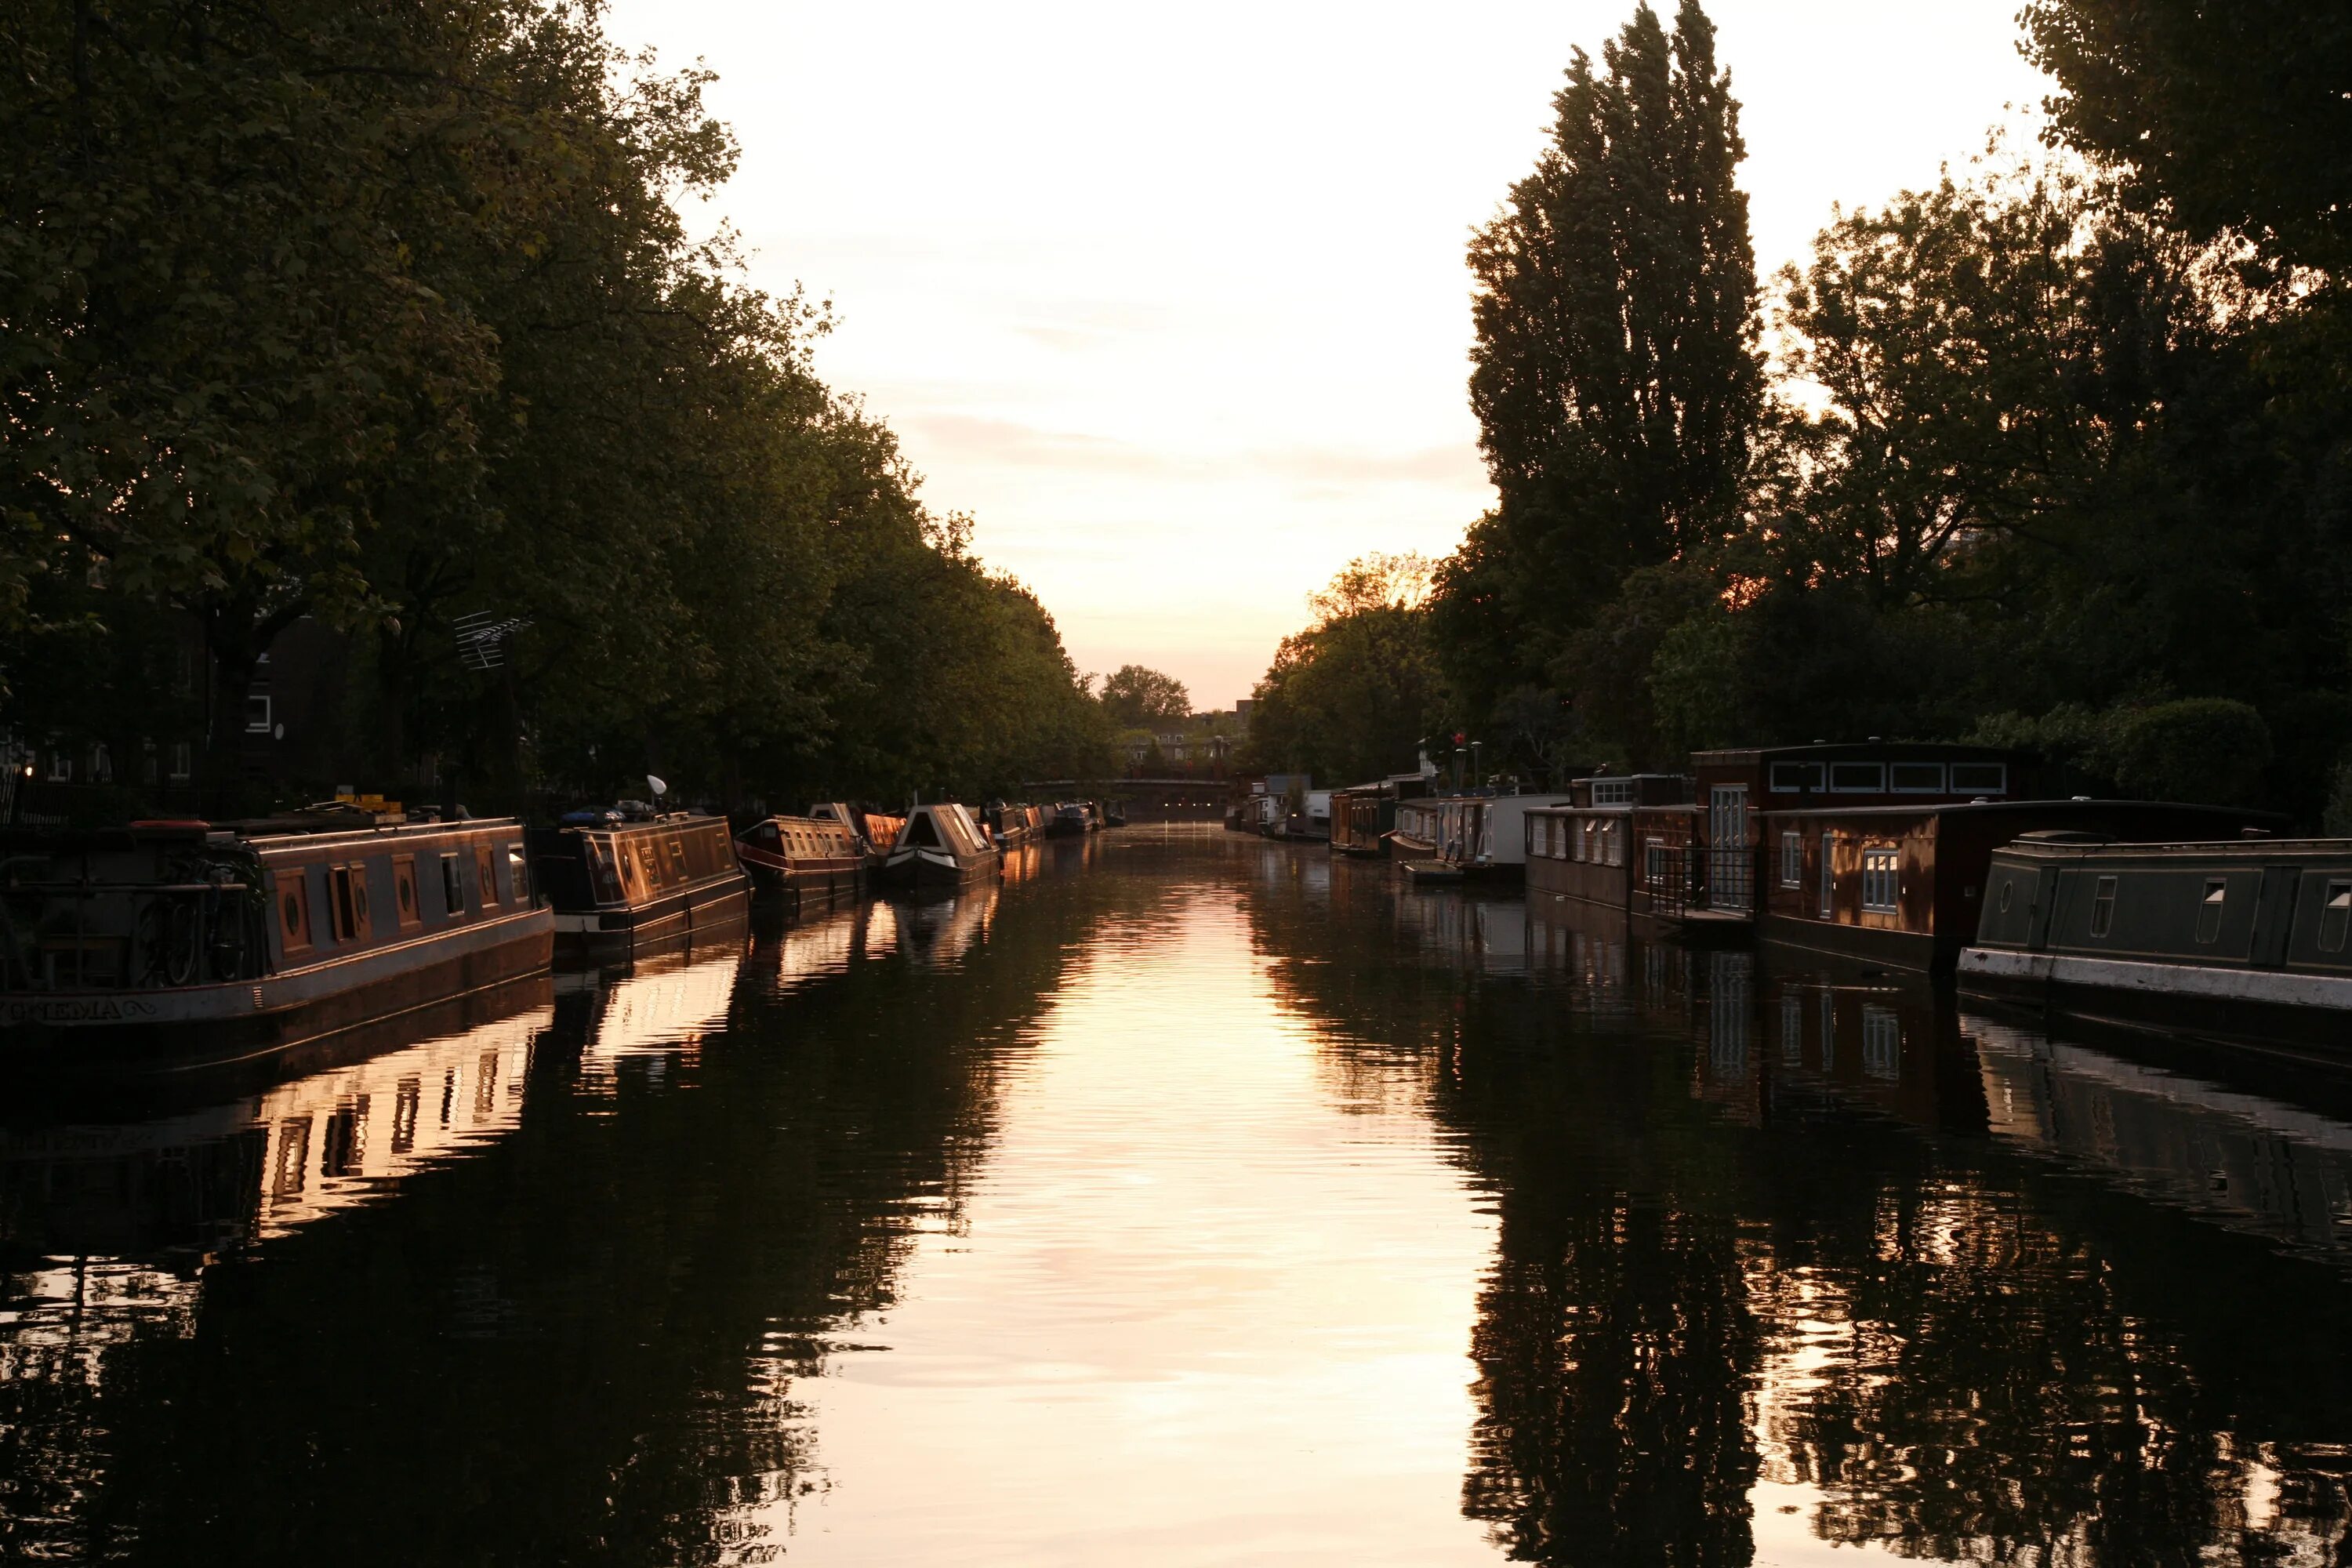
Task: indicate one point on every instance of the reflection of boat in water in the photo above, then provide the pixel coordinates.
(2255, 1162)
(124, 1214)
(656, 1009)
(1489, 935)
(938, 932)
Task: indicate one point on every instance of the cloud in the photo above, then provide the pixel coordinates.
(1006, 443)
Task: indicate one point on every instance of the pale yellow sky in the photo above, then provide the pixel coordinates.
(1172, 299)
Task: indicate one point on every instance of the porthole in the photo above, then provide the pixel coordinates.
(2005, 888)
(292, 909)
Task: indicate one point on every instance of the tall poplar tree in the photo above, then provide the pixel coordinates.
(1617, 379)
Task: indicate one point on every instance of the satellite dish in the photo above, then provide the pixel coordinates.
(656, 785)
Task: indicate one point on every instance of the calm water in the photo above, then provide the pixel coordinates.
(1190, 1200)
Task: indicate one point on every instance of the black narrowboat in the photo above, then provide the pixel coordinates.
(1071, 819)
(940, 846)
(228, 940)
(1899, 886)
(800, 854)
(624, 890)
(2243, 941)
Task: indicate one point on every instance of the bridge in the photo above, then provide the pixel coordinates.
(1146, 800)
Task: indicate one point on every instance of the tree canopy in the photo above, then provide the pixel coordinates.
(1135, 697)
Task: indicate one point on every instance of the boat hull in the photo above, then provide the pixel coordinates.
(2305, 1015)
(622, 934)
(238, 1020)
(937, 868)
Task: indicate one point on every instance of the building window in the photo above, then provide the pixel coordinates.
(2208, 910)
(1882, 880)
(2335, 916)
(1858, 778)
(1916, 778)
(257, 714)
(1789, 778)
(2103, 906)
(1792, 860)
(183, 761)
(1979, 778)
(1829, 877)
(1612, 792)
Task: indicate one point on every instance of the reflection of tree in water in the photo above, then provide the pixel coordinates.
(1967, 1354)
(579, 1343)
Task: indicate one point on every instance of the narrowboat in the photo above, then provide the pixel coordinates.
(626, 889)
(2240, 941)
(1071, 819)
(1010, 826)
(1731, 786)
(940, 846)
(874, 831)
(1363, 817)
(799, 854)
(1481, 839)
(223, 941)
(1899, 886)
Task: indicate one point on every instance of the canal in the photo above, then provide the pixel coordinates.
(1187, 1200)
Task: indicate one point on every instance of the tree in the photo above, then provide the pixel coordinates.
(1135, 697)
(2232, 118)
(1351, 696)
(1616, 377)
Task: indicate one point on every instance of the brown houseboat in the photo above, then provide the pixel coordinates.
(221, 940)
(2245, 942)
(622, 890)
(800, 854)
(1621, 842)
(1901, 887)
(1363, 817)
(942, 847)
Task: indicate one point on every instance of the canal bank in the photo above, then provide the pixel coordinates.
(1187, 1199)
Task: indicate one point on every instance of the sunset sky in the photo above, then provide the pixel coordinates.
(1172, 299)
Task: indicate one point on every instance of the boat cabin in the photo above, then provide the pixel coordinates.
(1621, 842)
(2243, 941)
(625, 888)
(800, 854)
(1482, 837)
(942, 847)
(306, 923)
(1901, 887)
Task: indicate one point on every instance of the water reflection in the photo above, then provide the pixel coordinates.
(1191, 1199)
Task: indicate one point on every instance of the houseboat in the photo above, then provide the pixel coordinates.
(1417, 834)
(1731, 786)
(623, 888)
(1363, 817)
(1623, 842)
(2242, 941)
(1481, 839)
(800, 854)
(874, 831)
(1900, 887)
(1010, 826)
(236, 937)
(942, 847)
(1071, 819)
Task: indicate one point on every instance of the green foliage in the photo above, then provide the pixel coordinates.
(1351, 697)
(1615, 376)
(380, 317)
(1134, 698)
(2210, 749)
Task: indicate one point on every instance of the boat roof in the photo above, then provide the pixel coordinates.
(1829, 751)
(2079, 806)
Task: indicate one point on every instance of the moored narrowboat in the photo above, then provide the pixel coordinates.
(222, 940)
(1071, 819)
(1011, 825)
(800, 854)
(940, 846)
(1901, 887)
(2245, 942)
(625, 890)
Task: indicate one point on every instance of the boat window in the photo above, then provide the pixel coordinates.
(677, 860)
(1539, 836)
(2335, 916)
(518, 874)
(2209, 912)
(483, 869)
(2006, 883)
(1829, 877)
(403, 888)
(1979, 778)
(1612, 792)
(347, 889)
(1916, 778)
(922, 830)
(1792, 860)
(1882, 880)
(2103, 906)
(452, 886)
(1654, 855)
(1788, 778)
(1858, 778)
(294, 908)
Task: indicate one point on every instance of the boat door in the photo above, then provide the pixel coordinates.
(1730, 873)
